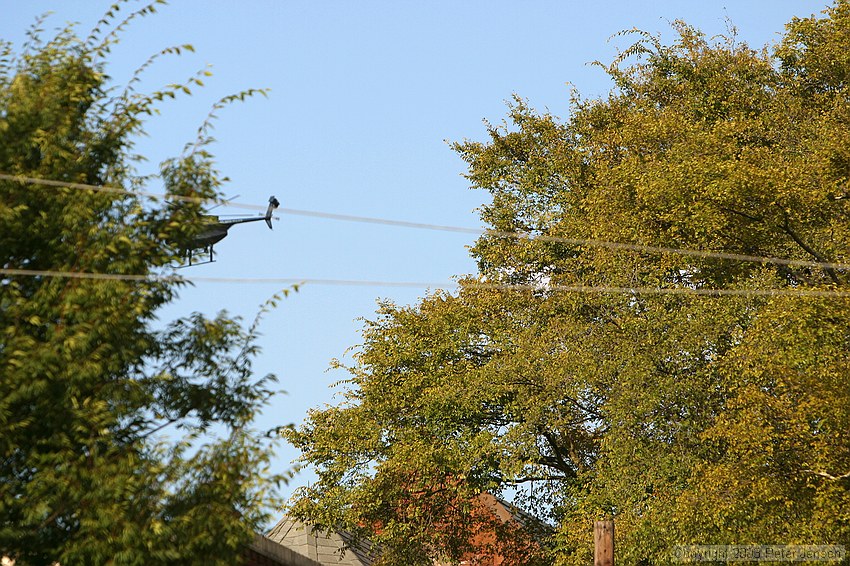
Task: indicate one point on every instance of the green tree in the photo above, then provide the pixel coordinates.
(691, 417)
(123, 439)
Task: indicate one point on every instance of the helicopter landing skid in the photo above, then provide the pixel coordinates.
(189, 256)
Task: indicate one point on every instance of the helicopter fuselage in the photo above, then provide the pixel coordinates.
(214, 230)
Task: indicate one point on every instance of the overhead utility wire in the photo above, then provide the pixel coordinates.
(122, 191)
(443, 228)
(597, 289)
(572, 241)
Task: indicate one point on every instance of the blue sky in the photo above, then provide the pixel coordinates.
(364, 97)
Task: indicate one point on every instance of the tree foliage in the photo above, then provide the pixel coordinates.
(690, 418)
(124, 439)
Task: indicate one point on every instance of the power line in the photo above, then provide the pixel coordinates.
(572, 241)
(399, 223)
(122, 191)
(457, 229)
(298, 281)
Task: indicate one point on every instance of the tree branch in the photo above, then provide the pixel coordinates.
(786, 227)
(829, 476)
(742, 214)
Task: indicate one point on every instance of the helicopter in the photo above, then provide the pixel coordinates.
(214, 230)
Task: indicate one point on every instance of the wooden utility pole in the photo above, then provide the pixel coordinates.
(603, 543)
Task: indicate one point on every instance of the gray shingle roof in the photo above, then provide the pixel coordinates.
(335, 548)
